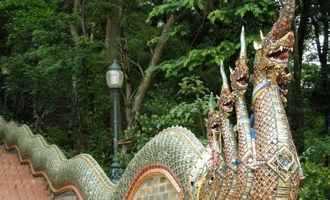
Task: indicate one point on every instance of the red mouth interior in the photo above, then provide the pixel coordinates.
(280, 55)
(243, 80)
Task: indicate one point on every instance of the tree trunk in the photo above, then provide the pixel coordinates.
(295, 109)
(152, 68)
(128, 85)
(113, 39)
(323, 57)
(83, 17)
(112, 34)
(76, 120)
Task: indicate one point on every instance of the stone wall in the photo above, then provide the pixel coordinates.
(156, 187)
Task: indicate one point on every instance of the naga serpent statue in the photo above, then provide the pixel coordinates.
(255, 159)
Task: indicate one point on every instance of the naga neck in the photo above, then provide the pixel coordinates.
(260, 83)
(259, 75)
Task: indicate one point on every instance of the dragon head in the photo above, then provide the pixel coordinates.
(274, 49)
(274, 54)
(226, 101)
(240, 75)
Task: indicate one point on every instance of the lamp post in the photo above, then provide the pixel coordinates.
(115, 78)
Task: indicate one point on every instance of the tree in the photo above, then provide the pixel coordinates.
(151, 70)
(320, 20)
(296, 97)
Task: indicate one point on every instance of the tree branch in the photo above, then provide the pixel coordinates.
(138, 66)
(73, 26)
(326, 38)
(317, 38)
(152, 68)
(83, 17)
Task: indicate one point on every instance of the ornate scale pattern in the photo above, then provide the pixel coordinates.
(244, 172)
(243, 126)
(81, 171)
(177, 148)
(259, 167)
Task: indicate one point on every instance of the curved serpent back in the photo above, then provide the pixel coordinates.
(262, 164)
(81, 171)
(176, 149)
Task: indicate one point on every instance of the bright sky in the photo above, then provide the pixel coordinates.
(311, 54)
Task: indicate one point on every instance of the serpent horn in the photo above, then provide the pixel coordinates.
(224, 77)
(262, 37)
(231, 70)
(243, 44)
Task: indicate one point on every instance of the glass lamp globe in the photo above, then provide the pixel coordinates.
(115, 76)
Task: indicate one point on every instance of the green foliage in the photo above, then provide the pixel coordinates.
(220, 15)
(49, 78)
(315, 159)
(199, 57)
(310, 74)
(190, 115)
(192, 86)
(174, 6)
(316, 183)
(316, 168)
(256, 9)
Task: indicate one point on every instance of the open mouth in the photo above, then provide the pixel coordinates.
(215, 126)
(242, 81)
(228, 106)
(281, 55)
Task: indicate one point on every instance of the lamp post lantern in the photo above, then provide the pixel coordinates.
(115, 79)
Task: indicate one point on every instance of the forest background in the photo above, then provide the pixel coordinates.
(54, 55)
